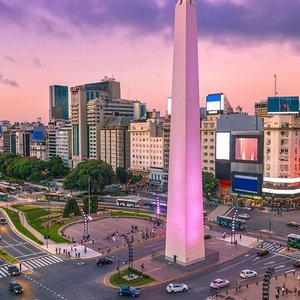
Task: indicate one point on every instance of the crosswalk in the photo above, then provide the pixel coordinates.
(276, 248)
(33, 264)
(272, 247)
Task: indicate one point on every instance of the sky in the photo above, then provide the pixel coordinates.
(242, 44)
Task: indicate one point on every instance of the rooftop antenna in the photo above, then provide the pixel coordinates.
(275, 90)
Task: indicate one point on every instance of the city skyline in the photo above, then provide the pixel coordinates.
(54, 44)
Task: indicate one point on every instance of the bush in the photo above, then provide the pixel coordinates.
(71, 208)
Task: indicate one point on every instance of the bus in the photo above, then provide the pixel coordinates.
(227, 222)
(294, 240)
(3, 197)
(163, 206)
(54, 196)
(127, 202)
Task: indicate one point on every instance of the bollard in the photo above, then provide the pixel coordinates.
(256, 283)
(276, 277)
(246, 285)
(294, 272)
(285, 275)
(226, 292)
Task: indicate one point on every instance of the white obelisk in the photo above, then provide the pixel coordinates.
(185, 227)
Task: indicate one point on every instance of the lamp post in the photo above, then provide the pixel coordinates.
(157, 208)
(233, 220)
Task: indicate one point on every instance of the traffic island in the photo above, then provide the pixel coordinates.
(131, 278)
(7, 257)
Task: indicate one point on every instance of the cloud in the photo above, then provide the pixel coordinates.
(10, 59)
(10, 82)
(36, 62)
(222, 21)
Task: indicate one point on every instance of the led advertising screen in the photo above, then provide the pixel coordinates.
(246, 184)
(246, 149)
(223, 145)
(37, 135)
(283, 105)
(214, 102)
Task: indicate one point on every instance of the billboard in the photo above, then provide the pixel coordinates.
(223, 145)
(283, 105)
(214, 103)
(38, 135)
(246, 149)
(245, 184)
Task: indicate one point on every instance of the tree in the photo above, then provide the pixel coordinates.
(94, 174)
(56, 167)
(209, 183)
(121, 175)
(93, 204)
(5, 160)
(71, 207)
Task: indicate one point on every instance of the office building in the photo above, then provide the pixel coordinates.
(115, 142)
(261, 109)
(58, 103)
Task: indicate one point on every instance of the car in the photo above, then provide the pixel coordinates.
(248, 273)
(297, 263)
(177, 287)
(244, 216)
(262, 252)
(219, 283)
(207, 236)
(293, 224)
(125, 290)
(13, 270)
(3, 221)
(104, 261)
(15, 287)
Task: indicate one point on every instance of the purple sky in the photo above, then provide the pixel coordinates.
(242, 44)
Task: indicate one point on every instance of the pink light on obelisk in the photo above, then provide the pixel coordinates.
(185, 228)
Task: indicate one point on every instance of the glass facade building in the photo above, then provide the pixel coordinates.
(59, 103)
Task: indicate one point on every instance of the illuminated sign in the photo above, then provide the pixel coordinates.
(223, 145)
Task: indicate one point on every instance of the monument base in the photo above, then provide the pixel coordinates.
(211, 257)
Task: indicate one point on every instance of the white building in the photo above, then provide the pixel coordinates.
(64, 144)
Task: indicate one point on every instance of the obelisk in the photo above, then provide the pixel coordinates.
(185, 227)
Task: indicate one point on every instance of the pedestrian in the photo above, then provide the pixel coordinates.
(55, 250)
(20, 266)
(59, 250)
(84, 249)
(142, 267)
(240, 237)
(99, 247)
(78, 254)
(283, 291)
(71, 248)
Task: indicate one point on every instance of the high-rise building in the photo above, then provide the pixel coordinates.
(4, 125)
(115, 142)
(58, 103)
(64, 144)
(106, 90)
(185, 227)
(281, 182)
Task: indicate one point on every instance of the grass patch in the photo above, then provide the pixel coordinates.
(122, 213)
(117, 279)
(7, 257)
(17, 222)
(37, 217)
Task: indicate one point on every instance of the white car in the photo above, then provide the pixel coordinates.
(248, 273)
(177, 287)
(219, 283)
(244, 216)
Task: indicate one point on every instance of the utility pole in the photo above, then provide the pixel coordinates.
(89, 206)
